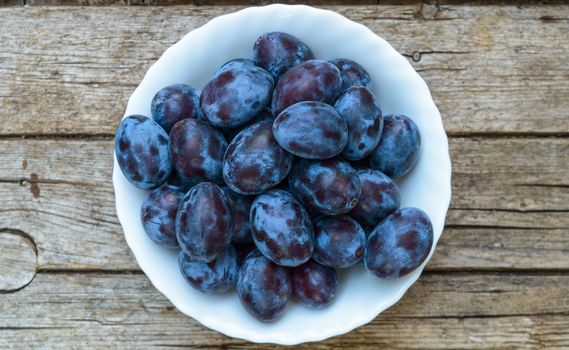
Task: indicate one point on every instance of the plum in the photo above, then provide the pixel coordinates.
(281, 228)
(398, 149)
(141, 148)
(362, 114)
(399, 244)
(312, 130)
(204, 223)
(277, 52)
(263, 287)
(329, 186)
(254, 161)
(313, 80)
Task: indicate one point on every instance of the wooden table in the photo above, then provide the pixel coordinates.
(499, 277)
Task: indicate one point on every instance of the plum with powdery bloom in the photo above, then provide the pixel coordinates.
(329, 186)
(312, 130)
(197, 151)
(314, 284)
(214, 277)
(277, 52)
(340, 241)
(141, 148)
(204, 224)
(263, 287)
(236, 95)
(353, 74)
(254, 161)
(313, 80)
(174, 103)
(380, 197)
(281, 228)
(239, 63)
(398, 148)
(399, 244)
(158, 215)
(360, 109)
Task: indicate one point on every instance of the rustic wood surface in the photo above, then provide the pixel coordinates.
(485, 65)
(500, 274)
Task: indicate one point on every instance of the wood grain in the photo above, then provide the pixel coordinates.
(485, 66)
(204, 2)
(17, 260)
(266, 2)
(498, 279)
(516, 174)
(11, 3)
(440, 311)
(509, 206)
(73, 226)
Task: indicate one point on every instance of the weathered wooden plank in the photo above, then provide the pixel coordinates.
(516, 174)
(17, 260)
(495, 248)
(509, 206)
(11, 2)
(88, 162)
(491, 69)
(266, 2)
(509, 332)
(205, 2)
(73, 226)
(441, 311)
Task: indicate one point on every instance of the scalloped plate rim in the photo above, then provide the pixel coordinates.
(228, 329)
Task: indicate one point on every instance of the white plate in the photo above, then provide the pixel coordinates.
(193, 60)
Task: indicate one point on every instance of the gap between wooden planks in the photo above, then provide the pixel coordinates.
(492, 70)
(441, 311)
(509, 207)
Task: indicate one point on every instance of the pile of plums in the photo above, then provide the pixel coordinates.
(280, 171)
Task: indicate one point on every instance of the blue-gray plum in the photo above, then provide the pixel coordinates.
(399, 244)
(398, 149)
(254, 161)
(281, 228)
(329, 186)
(158, 215)
(277, 52)
(174, 103)
(339, 241)
(312, 130)
(197, 151)
(141, 148)
(204, 223)
(380, 197)
(362, 114)
(263, 287)
(353, 74)
(214, 277)
(313, 80)
(236, 95)
(314, 284)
